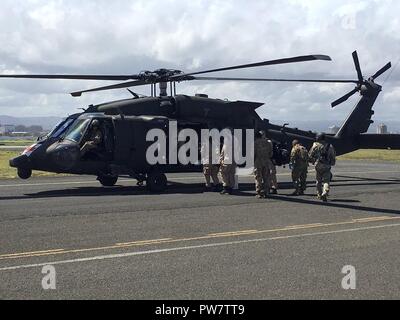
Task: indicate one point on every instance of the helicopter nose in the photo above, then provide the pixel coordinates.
(20, 162)
(64, 155)
(23, 164)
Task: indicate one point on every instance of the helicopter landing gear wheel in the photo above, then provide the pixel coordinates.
(156, 182)
(108, 181)
(140, 183)
(24, 174)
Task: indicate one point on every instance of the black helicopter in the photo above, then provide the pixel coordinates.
(125, 123)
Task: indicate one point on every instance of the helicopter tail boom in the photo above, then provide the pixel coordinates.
(379, 141)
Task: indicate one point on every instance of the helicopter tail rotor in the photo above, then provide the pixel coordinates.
(357, 65)
(361, 81)
(381, 71)
(345, 97)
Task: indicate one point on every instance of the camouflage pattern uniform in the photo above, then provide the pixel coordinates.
(227, 168)
(262, 166)
(95, 140)
(273, 181)
(210, 170)
(323, 155)
(299, 162)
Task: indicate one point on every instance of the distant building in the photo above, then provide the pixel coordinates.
(382, 129)
(334, 129)
(20, 134)
(7, 129)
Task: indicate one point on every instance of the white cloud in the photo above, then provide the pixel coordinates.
(121, 36)
(392, 96)
(48, 16)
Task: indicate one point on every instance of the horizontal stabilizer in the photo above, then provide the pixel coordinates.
(253, 105)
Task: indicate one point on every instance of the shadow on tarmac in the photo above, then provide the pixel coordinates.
(337, 203)
(246, 190)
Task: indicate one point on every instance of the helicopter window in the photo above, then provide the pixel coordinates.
(60, 128)
(78, 129)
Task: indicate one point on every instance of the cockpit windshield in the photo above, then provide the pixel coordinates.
(77, 130)
(60, 128)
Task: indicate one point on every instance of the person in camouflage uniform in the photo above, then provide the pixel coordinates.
(273, 181)
(210, 169)
(299, 165)
(228, 165)
(323, 155)
(262, 165)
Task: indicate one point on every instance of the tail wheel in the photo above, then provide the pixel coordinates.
(156, 182)
(108, 181)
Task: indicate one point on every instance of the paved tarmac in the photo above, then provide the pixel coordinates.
(125, 243)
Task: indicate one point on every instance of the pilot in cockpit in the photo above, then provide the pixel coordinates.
(95, 138)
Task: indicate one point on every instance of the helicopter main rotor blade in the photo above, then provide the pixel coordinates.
(345, 97)
(381, 71)
(272, 80)
(358, 68)
(258, 64)
(71, 77)
(115, 86)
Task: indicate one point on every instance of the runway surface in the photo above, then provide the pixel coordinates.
(124, 243)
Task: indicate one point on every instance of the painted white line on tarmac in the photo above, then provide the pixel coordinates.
(211, 245)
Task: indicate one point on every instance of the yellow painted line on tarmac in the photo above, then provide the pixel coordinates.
(30, 253)
(232, 233)
(143, 242)
(300, 226)
(199, 246)
(376, 219)
(209, 236)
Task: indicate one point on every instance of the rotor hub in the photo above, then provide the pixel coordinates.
(158, 75)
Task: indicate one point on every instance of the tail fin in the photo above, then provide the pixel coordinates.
(359, 120)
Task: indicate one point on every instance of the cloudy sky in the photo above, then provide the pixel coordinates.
(128, 36)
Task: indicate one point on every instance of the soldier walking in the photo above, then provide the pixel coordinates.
(323, 155)
(299, 166)
(228, 165)
(210, 157)
(262, 165)
(273, 181)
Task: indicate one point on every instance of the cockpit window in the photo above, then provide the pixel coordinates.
(77, 130)
(60, 128)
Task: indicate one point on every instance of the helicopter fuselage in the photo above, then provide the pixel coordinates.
(125, 124)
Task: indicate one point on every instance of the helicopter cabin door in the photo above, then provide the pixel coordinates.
(123, 129)
(143, 125)
(130, 141)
